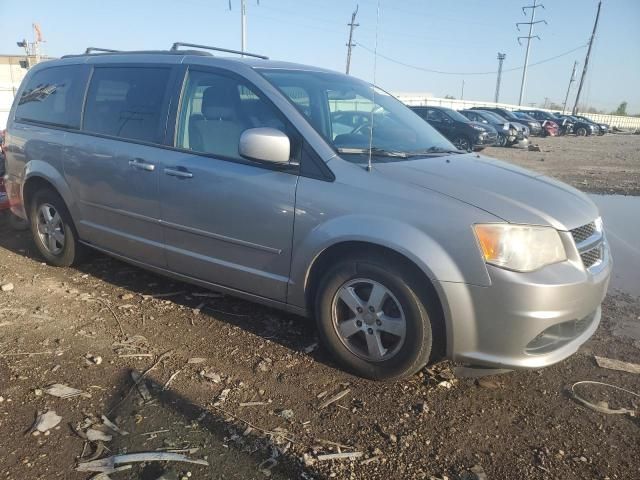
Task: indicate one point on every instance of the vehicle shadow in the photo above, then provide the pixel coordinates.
(290, 331)
(169, 422)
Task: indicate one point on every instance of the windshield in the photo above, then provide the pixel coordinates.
(345, 111)
(493, 116)
(455, 115)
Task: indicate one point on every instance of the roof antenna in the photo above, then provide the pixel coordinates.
(375, 66)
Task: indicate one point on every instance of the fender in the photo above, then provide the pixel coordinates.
(424, 251)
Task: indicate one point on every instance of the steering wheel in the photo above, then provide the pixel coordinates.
(360, 128)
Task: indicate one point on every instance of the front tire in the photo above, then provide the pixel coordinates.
(462, 143)
(502, 140)
(371, 319)
(53, 231)
(581, 132)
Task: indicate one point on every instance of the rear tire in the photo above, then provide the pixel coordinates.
(502, 140)
(391, 337)
(53, 231)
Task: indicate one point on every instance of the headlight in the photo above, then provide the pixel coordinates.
(505, 126)
(477, 127)
(522, 248)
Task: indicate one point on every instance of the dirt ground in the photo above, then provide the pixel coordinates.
(242, 386)
(596, 164)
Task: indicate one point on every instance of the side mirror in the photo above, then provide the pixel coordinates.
(265, 144)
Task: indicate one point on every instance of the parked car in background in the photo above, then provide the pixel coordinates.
(463, 133)
(603, 128)
(548, 128)
(226, 173)
(508, 134)
(580, 127)
(565, 126)
(535, 127)
(4, 199)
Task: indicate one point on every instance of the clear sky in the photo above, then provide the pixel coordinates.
(452, 35)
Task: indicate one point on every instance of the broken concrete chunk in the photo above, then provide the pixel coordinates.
(613, 364)
(94, 435)
(46, 421)
(7, 287)
(64, 391)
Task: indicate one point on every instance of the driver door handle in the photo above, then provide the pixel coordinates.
(179, 172)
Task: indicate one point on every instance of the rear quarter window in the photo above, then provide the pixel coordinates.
(53, 96)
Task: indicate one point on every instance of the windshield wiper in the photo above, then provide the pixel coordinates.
(380, 152)
(435, 150)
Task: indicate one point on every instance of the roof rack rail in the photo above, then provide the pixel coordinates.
(176, 45)
(96, 49)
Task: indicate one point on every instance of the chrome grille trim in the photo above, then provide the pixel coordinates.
(589, 241)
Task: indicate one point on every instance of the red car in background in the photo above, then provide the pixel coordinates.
(15, 222)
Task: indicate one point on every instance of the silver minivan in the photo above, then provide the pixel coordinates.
(309, 191)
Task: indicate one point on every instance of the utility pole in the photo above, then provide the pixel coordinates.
(586, 60)
(528, 37)
(501, 57)
(350, 44)
(243, 24)
(462, 93)
(571, 80)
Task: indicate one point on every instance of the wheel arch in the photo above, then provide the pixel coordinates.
(40, 174)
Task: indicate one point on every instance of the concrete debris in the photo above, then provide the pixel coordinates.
(64, 391)
(108, 465)
(534, 148)
(286, 414)
(94, 435)
(340, 456)
(126, 296)
(7, 287)
(211, 376)
(94, 359)
(612, 364)
(487, 383)
(112, 426)
(252, 404)
(195, 360)
(334, 398)
(222, 397)
(46, 421)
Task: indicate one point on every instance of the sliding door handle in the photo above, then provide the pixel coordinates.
(179, 172)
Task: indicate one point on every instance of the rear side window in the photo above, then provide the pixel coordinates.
(127, 102)
(53, 96)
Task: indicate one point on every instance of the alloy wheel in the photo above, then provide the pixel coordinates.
(51, 230)
(368, 319)
(462, 143)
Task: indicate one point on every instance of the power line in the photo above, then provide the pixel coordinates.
(350, 43)
(492, 72)
(528, 37)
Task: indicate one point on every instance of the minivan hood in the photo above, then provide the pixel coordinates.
(514, 194)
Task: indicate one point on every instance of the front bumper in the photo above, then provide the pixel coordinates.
(485, 139)
(527, 320)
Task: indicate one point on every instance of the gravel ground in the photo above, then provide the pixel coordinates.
(245, 384)
(607, 164)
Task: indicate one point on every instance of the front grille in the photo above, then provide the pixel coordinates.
(590, 257)
(580, 234)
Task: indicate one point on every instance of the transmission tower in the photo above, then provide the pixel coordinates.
(528, 37)
(501, 57)
(350, 44)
